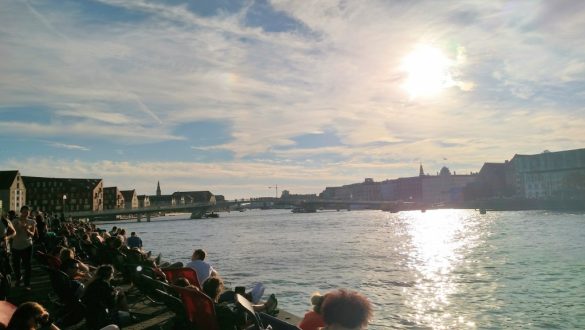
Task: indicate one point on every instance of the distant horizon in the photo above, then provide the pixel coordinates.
(281, 189)
(236, 97)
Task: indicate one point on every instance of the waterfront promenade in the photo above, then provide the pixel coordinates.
(149, 315)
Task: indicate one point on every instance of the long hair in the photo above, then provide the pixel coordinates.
(21, 317)
(213, 287)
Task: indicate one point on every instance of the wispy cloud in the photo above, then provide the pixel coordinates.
(517, 85)
(67, 146)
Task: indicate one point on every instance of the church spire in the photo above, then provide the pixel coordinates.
(158, 188)
(420, 171)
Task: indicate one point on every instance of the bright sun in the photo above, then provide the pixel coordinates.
(428, 71)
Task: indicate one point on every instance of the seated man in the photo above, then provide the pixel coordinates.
(226, 312)
(74, 287)
(203, 269)
(134, 241)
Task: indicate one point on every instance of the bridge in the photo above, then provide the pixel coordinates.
(197, 210)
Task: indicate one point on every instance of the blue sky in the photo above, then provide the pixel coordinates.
(237, 96)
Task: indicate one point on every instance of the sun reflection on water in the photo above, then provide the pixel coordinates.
(438, 242)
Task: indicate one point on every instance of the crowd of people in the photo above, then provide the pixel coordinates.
(89, 258)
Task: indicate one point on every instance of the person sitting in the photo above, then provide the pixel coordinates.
(346, 310)
(134, 241)
(226, 313)
(203, 269)
(74, 287)
(30, 316)
(104, 303)
(67, 254)
(313, 320)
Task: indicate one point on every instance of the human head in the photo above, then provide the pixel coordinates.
(347, 309)
(11, 215)
(29, 315)
(105, 272)
(66, 254)
(198, 255)
(133, 233)
(213, 287)
(24, 211)
(317, 301)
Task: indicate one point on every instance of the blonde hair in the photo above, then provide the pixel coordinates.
(316, 301)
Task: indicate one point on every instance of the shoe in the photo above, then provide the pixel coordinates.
(27, 288)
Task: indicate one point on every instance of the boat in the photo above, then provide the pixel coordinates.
(212, 215)
(303, 210)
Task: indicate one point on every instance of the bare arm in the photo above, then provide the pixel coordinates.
(10, 231)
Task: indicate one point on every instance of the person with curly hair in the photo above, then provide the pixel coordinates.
(346, 310)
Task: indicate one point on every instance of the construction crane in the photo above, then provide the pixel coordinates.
(276, 189)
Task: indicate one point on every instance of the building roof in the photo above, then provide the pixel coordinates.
(68, 183)
(161, 198)
(194, 196)
(552, 152)
(128, 194)
(7, 178)
(493, 168)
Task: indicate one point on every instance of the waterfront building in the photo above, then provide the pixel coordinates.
(363, 191)
(389, 190)
(130, 199)
(444, 187)
(12, 191)
(550, 175)
(113, 198)
(287, 196)
(494, 180)
(341, 193)
(143, 201)
(64, 194)
(409, 189)
(161, 200)
(190, 197)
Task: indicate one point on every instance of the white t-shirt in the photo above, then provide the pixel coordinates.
(22, 240)
(202, 268)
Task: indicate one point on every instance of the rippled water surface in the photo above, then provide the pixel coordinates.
(443, 269)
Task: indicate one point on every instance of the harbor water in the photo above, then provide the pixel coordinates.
(442, 269)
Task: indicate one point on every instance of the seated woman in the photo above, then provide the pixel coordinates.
(30, 316)
(104, 303)
(227, 316)
(346, 310)
(313, 320)
(69, 254)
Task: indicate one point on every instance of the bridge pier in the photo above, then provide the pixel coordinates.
(139, 217)
(147, 217)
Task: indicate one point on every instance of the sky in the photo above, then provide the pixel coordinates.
(238, 97)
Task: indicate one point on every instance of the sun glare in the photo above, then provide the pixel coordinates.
(428, 71)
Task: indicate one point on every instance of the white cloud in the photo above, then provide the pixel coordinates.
(137, 80)
(68, 146)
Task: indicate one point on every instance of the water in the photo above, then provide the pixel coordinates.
(443, 269)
